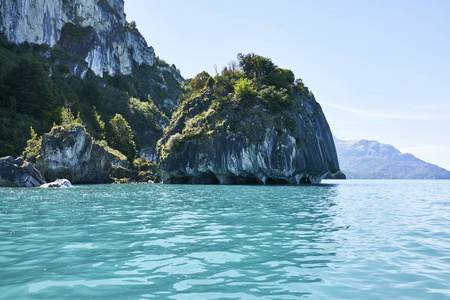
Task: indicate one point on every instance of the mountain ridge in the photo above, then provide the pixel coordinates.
(369, 159)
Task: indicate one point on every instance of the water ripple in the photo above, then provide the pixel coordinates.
(355, 239)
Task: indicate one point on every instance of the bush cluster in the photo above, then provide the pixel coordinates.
(246, 97)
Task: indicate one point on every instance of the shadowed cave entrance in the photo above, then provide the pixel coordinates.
(211, 178)
(275, 181)
(208, 178)
(241, 180)
(305, 180)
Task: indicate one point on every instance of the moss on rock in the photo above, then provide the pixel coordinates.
(248, 127)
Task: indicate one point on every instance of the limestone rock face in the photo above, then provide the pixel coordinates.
(150, 154)
(247, 145)
(117, 45)
(17, 172)
(70, 153)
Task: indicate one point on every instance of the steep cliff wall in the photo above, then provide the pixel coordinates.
(256, 153)
(117, 44)
(236, 130)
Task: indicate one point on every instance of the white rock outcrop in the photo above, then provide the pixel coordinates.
(70, 153)
(42, 21)
(58, 183)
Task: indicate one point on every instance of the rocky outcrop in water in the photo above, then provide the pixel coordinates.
(94, 30)
(58, 183)
(69, 152)
(261, 156)
(256, 130)
(20, 173)
(337, 175)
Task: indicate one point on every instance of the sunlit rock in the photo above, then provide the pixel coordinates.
(58, 183)
(117, 44)
(70, 153)
(232, 141)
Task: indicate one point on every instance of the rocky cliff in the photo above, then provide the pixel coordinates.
(69, 152)
(84, 55)
(238, 128)
(366, 159)
(112, 46)
(256, 151)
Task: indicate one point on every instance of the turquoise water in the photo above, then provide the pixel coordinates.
(339, 240)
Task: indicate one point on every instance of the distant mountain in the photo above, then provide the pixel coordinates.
(366, 159)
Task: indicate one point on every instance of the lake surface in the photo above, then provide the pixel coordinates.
(355, 239)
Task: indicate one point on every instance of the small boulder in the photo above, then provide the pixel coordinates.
(58, 183)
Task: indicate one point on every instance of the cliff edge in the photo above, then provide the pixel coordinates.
(113, 44)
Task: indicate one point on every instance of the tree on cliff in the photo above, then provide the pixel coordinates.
(255, 65)
(119, 136)
(30, 86)
(199, 81)
(244, 89)
(265, 71)
(33, 149)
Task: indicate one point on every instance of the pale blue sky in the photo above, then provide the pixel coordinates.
(380, 69)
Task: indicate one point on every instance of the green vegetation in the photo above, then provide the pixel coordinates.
(242, 100)
(143, 165)
(29, 87)
(119, 136)
(129, 112)
(112, 151)
(70, 122)
(37, 85)
(199, 81)
(147, 120)
(75, 32)
(244, 89)
(68, 119)
(33, 149)
(255, 66)
(131, 26)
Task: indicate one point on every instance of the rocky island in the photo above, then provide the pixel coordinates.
(254, 124)
(103, 107)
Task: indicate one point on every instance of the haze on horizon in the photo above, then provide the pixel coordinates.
(380, 69)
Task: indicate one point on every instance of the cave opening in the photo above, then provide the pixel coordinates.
(252, 181)
(305, 180)
(178, 180)
(206, 178)
(275, 181)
